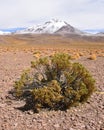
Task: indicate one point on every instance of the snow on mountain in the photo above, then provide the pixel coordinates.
(1, 33)
(51, 27)
(100, 34)
(4, 33)
(69, 30)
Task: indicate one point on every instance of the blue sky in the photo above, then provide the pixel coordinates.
(83, 14)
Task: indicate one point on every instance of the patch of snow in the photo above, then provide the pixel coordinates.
(4, 33)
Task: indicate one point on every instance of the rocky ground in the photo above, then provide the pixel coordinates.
(89, 116)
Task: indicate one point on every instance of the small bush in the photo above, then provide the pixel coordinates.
(93, 57)
(55, 83)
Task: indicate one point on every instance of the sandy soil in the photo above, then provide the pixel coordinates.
(89, 116)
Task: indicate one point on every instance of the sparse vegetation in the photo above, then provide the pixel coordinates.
(93, 57)
(55, 83)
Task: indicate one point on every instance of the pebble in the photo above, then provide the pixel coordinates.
(2, 105)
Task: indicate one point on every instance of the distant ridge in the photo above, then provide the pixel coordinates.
(56, 27)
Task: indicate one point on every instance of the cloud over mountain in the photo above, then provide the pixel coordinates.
(82, 14)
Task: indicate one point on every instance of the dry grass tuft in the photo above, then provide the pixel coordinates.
(75, 56)
(93, 57)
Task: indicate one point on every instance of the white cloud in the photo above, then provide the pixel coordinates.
(79, 13)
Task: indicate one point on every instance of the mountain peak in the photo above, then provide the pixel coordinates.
(55, 20)
(51, 27)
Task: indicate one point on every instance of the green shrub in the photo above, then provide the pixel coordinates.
(55, 83)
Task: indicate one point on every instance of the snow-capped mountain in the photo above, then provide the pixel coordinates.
(4, 33)
(51, 27)
(100, 34)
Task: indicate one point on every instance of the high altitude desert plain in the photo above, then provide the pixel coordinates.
(16, 54)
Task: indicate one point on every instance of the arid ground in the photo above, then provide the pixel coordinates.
(16, 53)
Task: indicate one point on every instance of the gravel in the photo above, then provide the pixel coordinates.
(88, 116)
